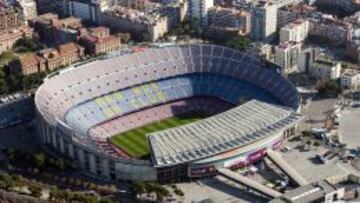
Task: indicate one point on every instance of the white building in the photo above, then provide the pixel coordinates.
(296, 31)
(350, 79)
(263, 21)
(29, 9)
(286, 56)
(325, 69)
(198, 9)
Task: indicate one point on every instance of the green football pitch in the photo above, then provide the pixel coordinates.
(134, 142)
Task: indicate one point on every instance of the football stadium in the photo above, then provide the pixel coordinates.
(169, 113)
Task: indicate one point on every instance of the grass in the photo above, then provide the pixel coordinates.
(134, 142)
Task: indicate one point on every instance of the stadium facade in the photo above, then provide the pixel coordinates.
(253, 108)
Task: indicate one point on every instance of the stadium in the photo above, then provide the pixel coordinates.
(170, 113)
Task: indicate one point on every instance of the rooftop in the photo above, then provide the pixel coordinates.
(149, 18)
(308, 193)
(237, 127)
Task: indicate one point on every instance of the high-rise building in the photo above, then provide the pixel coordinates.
(286, 56)
(263, 21)
(296, 31)
(198, 9)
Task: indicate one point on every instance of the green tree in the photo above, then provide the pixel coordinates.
(25, 44)
(138, 188)
(328, 88)
(54, 193)
(6, 57)
(35, 190)
(238, 42)
(179, 192)
(39, 160)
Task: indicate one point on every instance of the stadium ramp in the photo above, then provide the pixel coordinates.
(276, 158)
(236, 177)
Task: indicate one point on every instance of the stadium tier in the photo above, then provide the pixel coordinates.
(81, 108)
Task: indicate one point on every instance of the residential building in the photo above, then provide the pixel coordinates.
(29, 9)
(353, 50)
(325, 69)
(60, 7)
(143, 25)
(261, 50)
(230, 18)
(55, 31)
(133, 4)
(336, 31)
(88, 10)
(175, 13)
(350, 79)
(48, 59)
(348, 6)
(10, 18)
(296, 31)
(28, 64)
(198, 9)
(286, 56)
(305, 58)
(263, 21)
(100, 41)
(9, 38)
(292, 12)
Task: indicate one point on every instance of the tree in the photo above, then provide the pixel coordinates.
(35, 190)
(6, 181)
(179, 192)
(239, 43)
(39, 160)
(6, 57)
(25, 44)
(328, 88)
(54, 193)
(138, 188)
(125, 37)
(67, 195)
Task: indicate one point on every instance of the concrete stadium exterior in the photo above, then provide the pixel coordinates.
(74, 106)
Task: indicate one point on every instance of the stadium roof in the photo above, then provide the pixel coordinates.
(237, 127)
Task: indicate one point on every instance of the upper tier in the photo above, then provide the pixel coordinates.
(75, 94)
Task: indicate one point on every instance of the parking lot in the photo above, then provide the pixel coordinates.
(316, 111)
(349, 128)
(311, 168)
(219, 189)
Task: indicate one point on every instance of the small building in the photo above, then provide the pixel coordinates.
(350, 79)
(28, 64)
(325, 69)
(55, 31)
(230, 18)
(144, 25)
(321, 191)
(286, 56)
(100, 41)
(48, 59)
(296, 31)
(11, 17)
(9, 38)
(336, 31)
